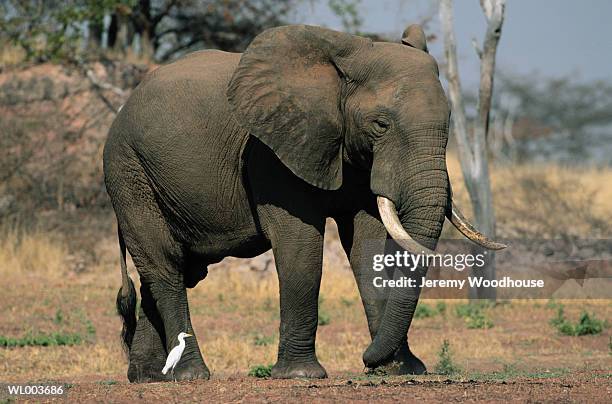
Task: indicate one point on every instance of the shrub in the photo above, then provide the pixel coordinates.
(446, 365)
(324, 317)
(478, 321)
(261, 371)
(424, 311)
(474, 315)
(587, 325)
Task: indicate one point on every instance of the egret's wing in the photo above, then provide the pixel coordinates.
(173, 358)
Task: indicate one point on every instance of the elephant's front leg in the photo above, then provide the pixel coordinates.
(298, 252)
(355, 231)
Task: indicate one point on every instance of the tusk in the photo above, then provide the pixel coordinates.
(394, 227)
(462, 224)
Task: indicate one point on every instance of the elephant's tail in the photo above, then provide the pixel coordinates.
(126, 299)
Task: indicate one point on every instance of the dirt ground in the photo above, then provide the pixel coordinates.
(578, 387)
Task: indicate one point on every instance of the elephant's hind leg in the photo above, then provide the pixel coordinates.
(160, 261)
(148, 353)
(160, 264)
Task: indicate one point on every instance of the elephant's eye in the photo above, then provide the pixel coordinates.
(380, 125)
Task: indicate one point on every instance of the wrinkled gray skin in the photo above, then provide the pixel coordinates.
(221, 154)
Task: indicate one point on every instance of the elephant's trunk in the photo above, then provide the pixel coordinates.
(413, 205)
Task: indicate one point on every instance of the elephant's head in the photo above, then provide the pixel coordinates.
(320, 99)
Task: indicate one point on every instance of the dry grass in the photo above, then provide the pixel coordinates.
(11, 55)
(33, 252)
(235, 310)
(545, 200)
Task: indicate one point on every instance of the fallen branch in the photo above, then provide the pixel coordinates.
(101, 85)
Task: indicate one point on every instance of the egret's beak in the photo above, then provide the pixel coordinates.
(188, 335)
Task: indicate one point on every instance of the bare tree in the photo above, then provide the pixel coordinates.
(473, 145)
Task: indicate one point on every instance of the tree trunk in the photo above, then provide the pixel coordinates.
(94, 40)
(473, 148)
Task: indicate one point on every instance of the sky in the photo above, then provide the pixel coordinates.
(550, 38)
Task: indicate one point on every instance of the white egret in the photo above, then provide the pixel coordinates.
(175, 354)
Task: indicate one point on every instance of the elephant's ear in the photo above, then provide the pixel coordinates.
(286, 92)
(415, 37)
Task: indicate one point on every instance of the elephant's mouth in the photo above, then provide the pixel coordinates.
(390, 219)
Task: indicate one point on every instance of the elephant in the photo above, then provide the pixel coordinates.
(225, 154)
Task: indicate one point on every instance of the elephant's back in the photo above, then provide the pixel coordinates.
(179, 124)
(205, 67)
(178, 100)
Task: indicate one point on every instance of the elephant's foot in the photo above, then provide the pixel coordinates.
(152, 372)
(298, 370)
(192, 370)
(146, 373)
(192, 373)
(404, 362)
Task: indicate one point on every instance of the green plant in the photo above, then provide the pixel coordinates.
(59, 317)
(91, 330)
(89, 327)
(324, 317)
(42, 339)
(446, 365)
(441, 308)
(478, 321)
(588, 324)
(474, 314)
(464, 310)
(424, 311)
(261, 371)
(348, 13)
(347, 302)
(267, 304)
(262, 340)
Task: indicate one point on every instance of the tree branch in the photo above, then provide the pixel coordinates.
(100, 85)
